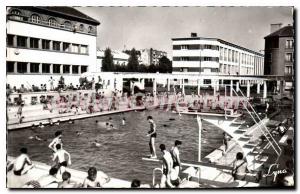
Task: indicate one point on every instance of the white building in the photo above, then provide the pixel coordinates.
(49, 41)
(215, 57)
(119, 58)
(151, 56)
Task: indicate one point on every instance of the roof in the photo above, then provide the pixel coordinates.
(286, 31)
(221, 41)
(64, 12)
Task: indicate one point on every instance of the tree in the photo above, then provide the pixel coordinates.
(133, 62)
(152, 68)
(165, 65)
(108, 61)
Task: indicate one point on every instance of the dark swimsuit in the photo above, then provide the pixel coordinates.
(151, 130)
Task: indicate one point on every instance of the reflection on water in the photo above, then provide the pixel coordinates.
(121, 151)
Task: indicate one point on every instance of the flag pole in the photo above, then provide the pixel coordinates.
(199, 140)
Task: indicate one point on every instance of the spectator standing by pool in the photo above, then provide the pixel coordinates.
(167, 167)
(226, 139)
(176, 158)
(239, 167)
(152, 134)
(51, 83)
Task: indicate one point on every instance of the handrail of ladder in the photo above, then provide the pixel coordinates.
(259, 125)
(262, 124)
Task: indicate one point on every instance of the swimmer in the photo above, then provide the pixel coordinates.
(57, 123)
(50, 121)
(78, 133)
(41, 125)
(107, 125)
(96, 121)
(38, 138)
(95, 143)
(123, 121)
(71, 121)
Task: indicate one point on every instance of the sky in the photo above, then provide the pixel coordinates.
(154, 27)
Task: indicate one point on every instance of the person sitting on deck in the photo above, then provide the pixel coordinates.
(56, 140)
(167, 167)
(21, 164)
(95, 179)
(239, 167)
(49, 180)
(61, 159)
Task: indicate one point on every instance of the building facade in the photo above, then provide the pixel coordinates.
(49, 41)
(194, 55)
(151, 56)
(119, 58)
(279, 52)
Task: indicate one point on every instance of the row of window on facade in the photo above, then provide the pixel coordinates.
(51, 21)
(23, 67)
(289, 44)
(235, 56)
(233, 69)
(36, 43)
(196, 59)
(195, 47)
(288, 57)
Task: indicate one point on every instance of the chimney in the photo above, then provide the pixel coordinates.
(193, 34)
(275, 27)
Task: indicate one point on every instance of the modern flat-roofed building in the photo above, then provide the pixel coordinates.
(151, 56)
(195, 55)
(279, 51)
(49, 41)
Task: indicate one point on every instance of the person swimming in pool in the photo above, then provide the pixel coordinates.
(96, 143)
(123, 121)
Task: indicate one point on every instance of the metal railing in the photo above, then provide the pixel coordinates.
(260, 125)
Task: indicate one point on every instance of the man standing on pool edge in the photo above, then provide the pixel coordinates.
(152, 134)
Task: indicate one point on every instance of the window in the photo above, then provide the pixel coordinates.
(289, 44)
(45, 68)
(10, 67)
(35, 18)
(56, 46)
(75, 69)
(34, 67)
(66, 47)
(184, 47)
(81, 27)
(83, 49)
(184, 59)
(16, 14)
(68, 25)
(75, 48)
(21, 67)
(45, 44)
(52, 22)
(21, 41)
(56, 68)
(34, 43)
(288, 70)
(83, 69)
(90, 29)
(289, 57)
(10, 40)
(66, 69)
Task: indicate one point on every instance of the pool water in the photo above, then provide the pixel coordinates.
(121, 151)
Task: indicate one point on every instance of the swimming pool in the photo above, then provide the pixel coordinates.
(121, 151)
